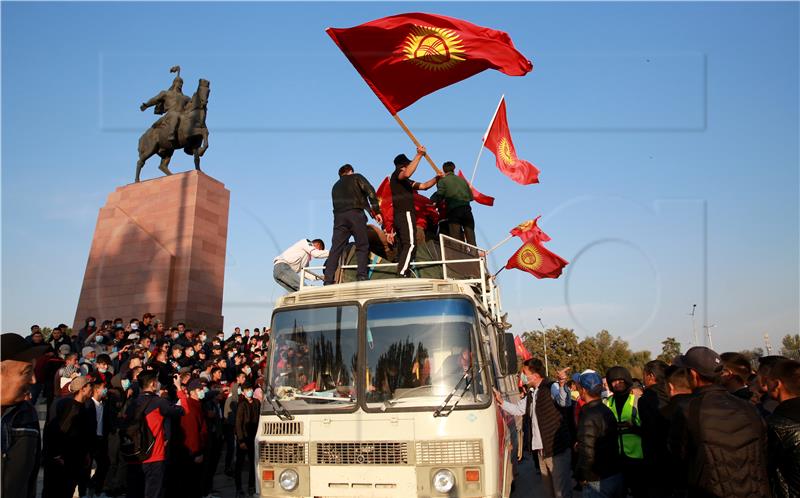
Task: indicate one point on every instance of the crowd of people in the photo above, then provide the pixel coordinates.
(133, 409)
(707, 425)
(413, 219)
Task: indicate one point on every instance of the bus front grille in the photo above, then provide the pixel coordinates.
(362, 453)
(283, 452)
(449, 452)
(283, 428)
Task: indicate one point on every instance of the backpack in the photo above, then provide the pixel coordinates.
(136, 438)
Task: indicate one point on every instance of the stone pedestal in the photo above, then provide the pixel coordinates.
(159, 247)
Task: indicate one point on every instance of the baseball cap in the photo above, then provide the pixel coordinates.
(401, 160)
(702, 360)
(194, 384)
(78, 382)
(592, 382)
(86, 350)
(64, 349)
(15, 347)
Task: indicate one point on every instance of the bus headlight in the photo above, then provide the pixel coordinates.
(288, 479)
(443, 481)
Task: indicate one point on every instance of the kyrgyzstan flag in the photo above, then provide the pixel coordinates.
(426, 212)
(407, 56)
(530, 231)
(498, 140)
(533, 258)
(477, 196)
(522, 351)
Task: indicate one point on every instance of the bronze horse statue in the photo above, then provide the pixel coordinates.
(191, 133)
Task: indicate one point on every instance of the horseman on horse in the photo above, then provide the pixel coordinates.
(183, 124)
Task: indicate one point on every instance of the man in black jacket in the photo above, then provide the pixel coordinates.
(20, 422)
(654, 425)
(722, 438)
(246, 428)
(66, 442)
(350, 195)
(597, 466)
(784, 429)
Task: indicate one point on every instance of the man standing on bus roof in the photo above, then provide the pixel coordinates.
(405, 219)
(292, 261)
(350, 195)
(456, 194)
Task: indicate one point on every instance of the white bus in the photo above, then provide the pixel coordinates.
(384, 388)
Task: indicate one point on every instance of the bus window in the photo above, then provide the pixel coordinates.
(419, 351)
(314, 357)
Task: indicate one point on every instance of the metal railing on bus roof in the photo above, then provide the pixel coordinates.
(483, 280)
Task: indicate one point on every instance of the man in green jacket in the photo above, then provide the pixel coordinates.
(456, 194)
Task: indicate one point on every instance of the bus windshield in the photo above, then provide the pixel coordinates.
(314, 357)
(419, 351)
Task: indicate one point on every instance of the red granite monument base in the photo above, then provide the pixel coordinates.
(159, 247)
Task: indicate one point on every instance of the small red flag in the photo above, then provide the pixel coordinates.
(407, 56)
(477, 196)
(535, 259)
(530, 231)
(522, 351)
(498, 140)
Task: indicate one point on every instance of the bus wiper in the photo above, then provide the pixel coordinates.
(325, 398)
(277, 406)
(444, 410)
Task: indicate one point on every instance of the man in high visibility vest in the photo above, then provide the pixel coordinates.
(623, 405)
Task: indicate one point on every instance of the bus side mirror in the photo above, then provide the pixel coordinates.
(511, 354)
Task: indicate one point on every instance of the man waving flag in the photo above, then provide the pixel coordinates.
(407, 56)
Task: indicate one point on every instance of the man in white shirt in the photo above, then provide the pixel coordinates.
(291, 261)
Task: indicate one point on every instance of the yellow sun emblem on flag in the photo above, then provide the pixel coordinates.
(525, 226)
(435, 49)
(529, 257)
(505, 153)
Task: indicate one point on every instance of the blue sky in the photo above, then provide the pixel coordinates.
(666, 135)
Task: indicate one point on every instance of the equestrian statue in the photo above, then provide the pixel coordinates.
(182, 124)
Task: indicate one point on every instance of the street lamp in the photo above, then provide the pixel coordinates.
(544, 339)
(708, 334)
(694, 329)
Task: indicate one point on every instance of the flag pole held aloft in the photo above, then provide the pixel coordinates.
(416, 142)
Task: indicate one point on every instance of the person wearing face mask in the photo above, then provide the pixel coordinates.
(194, 434)
(88, 356)
(99, 421)
(247, 413)
(546, 429)
(102, 368)
(89, 328)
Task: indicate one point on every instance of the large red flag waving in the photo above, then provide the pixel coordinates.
(478, 197)
(498, 140)
(407, 56)
(522, 351)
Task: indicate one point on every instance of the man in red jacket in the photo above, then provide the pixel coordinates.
(195, 435)
(146, 480)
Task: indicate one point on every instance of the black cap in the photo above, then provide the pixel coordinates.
(15, 347)
(195, 384)
(401, 160)
(702, 360)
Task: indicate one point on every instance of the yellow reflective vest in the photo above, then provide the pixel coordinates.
(628, 425)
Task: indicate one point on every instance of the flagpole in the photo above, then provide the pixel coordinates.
(500, 244)
(483, 140)
(416, 142)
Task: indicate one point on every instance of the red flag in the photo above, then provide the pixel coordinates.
(522, 351)
(535, 259)
(407, 56)
(477, 196)
(426, 213)
(530, 231)
(498, 140)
